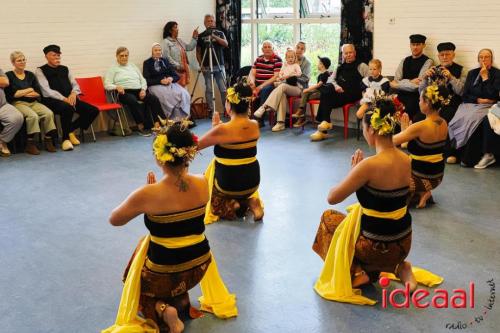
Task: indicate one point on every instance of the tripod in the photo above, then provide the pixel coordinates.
(210, 50)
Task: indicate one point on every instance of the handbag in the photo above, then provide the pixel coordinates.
(199, 109)
(292, 80)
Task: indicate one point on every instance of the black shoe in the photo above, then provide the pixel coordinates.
(261, 122)
(193, 124)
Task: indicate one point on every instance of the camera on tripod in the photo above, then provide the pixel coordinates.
(207, 39)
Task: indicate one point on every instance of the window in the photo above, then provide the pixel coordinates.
(320, 8)
(285, 22)
(274, 9)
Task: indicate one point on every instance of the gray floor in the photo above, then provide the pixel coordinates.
(61, 262)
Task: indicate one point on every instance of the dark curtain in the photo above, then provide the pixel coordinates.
(357, 27)
(228, 20)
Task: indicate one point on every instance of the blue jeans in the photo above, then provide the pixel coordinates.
(219, 80)
(264, 94)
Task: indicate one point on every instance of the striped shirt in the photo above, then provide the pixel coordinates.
(265, 69)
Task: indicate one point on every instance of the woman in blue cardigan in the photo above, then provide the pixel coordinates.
(162, 83)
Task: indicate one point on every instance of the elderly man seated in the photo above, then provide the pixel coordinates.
(277, 100)
(264, 73)
(343, 86)
(60, 93)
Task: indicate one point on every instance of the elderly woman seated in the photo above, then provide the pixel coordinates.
(127, 80)
(469, 130)
(25, 94)
(162, 83)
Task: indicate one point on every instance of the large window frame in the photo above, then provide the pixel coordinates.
(295, 20)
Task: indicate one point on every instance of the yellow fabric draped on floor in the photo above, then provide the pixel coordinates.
(334, 282)
(210, 217)
(215, 297)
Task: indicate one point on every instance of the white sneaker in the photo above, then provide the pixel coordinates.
(280, 126)
(325, 126)
(487, 160)
(67, 145)
(259, 112)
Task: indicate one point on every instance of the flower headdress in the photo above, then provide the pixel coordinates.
(166, 151)
(234, 97)
(384, 125)
(433, 94)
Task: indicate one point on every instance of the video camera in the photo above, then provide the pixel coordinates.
(207, 38)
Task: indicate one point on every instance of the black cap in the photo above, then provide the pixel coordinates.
(417, 38)
(447, 46)
(52, 48)
(325, 61)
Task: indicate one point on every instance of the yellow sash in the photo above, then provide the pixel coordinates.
(215, 296)
(334, 282)
(210, 217)
(428, 158)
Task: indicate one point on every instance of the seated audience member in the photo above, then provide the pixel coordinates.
(60, 93)
(162, 83)
(264, 73)
(454, 75)
(234, 173)
(371, 85)
(289, 74)
(25, 94)
(426, 142)
(127, 80)
(470, 132)
(343, 86)
(312, 92)
(277, 99)
(409, 74)
(10, 118)
(175, 50)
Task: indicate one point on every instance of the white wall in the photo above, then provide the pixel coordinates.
(470, 25)
(90, 31)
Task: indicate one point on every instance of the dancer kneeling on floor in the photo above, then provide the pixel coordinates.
(234, 173)
(376, 235)
(426, 142)
(175, 256)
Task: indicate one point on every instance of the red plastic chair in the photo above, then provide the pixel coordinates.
(93, 92)
(311, 102)
(345, 110)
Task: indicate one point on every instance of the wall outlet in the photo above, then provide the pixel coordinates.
(392, 21)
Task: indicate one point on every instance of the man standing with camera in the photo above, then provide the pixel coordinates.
(211, 43)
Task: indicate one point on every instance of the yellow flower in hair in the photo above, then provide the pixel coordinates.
(232, 96)
(384, 125)
(432, 93)
(161, 149)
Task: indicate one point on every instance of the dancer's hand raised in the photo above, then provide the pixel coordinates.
(151, 179)
(356, 157)
(215, 119)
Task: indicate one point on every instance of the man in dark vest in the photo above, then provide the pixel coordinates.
(454, 75)
(342, 87)
(409, 74)
(60, 93)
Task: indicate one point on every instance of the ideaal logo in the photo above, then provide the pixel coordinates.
(419, 298)
(439, 299)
